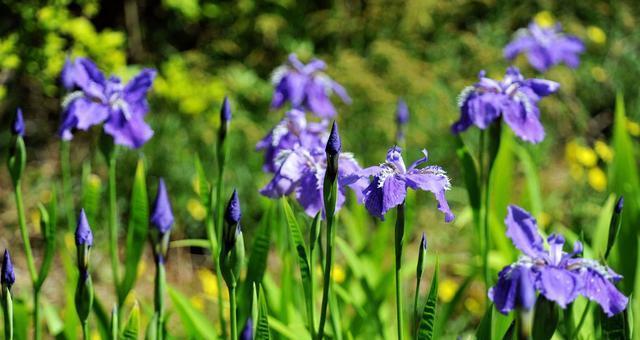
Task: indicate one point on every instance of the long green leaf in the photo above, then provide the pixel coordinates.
(131, 330)
(301, 250)
(484, 329)
(624, 180)
(534, 196)
(49, 231)
(194, 323)
(427, 322)
(545, 319)
(257, 264)
(470, 173)
(262, 327)
(136, 233)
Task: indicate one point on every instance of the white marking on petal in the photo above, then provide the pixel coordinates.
(278, 74)
(70, 98)
(464, 95)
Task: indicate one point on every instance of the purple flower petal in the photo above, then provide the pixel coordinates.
(522, 229)
(598, 288)
(515, 287)
(132, 133)
(559, 285)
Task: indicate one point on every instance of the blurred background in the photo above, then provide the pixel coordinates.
(424, 51)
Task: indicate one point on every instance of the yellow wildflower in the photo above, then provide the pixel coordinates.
(544, 219)
(197, 302)
(447, 289)
(208, 282)
(596, 34)
(196, 209)
(603, 150)
(586, 156)
(570, 151)
(544, 19)
(474, 306)
(597, 179)
(633, 128)
(338, 274)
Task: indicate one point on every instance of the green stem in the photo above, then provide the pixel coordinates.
(484, 209)
(7, 306)
(233, 312)
(159, 297)
(218, 225)
(85, 330)
(37, 330)
(113, 222)
(192, 243)
(330, 235)
(24, 233)
(582, 319)
(65, 165)
(399, 240)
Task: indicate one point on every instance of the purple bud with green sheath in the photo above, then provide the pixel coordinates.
(17, 127)
(84, 236)
(619, 205)
(233, 214)
(402, 112)
(162, 214)
(8, 276)
(225, 110)
(333, 144)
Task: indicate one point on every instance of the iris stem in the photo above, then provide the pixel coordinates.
(330, 235)
(312, 304)
(233, 312)
(415, 304)
(399, 241)
(85, 330)
(159, 297)
(24, 233)
(113, 221)
(484, 209)
(65, 165)
(218, 226)
(37, 330)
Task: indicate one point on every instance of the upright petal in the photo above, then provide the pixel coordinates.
(317, 99)
(519, 45)
(137, 88)
(522, 229)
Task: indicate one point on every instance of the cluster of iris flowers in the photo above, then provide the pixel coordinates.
(301, 154)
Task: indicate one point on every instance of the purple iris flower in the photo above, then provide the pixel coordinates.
(292, 131)
(8, 276)
(515, 99)
(162, 214)
(545, 47)
(557, 275)
(96, 99)
(306, 87)
(391, 179)
(301, 170)
(17, 127)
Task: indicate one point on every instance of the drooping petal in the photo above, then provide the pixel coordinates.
(542, 87)
(381, 198)
(317, 99)
(515, 287)
(485, 108)
(88, 112)
(558, 284)
(435, 180)
(522, 116)
(132, 132)
(600, 289)
(309, 193)
(522, 229)
(521, 44)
